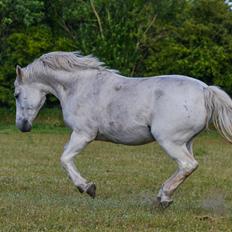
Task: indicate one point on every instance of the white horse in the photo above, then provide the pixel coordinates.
(100, 104)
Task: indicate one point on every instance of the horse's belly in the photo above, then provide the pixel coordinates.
(127, 136)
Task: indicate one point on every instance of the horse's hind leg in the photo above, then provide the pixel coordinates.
(76, 144)
(186, 165)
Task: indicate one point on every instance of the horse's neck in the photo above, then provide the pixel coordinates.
(52, 84)
(60, 84)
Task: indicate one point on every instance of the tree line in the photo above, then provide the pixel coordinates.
(137, 37)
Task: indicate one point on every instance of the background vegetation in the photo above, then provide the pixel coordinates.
(137, 37)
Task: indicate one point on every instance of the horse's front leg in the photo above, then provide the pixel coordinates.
(77, 142)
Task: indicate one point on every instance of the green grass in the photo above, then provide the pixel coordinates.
(36, 195)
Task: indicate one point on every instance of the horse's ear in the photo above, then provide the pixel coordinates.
(19, 73)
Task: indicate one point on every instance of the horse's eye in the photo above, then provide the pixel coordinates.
(16, 95)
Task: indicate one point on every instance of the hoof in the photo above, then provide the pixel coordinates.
(163, 203)
(80, 189)
(91, 190)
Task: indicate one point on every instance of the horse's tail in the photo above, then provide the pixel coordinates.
(219, 110)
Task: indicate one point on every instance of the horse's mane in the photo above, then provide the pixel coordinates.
(67, 61)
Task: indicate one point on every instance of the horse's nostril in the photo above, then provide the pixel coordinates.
(24, 125)
(25, 122)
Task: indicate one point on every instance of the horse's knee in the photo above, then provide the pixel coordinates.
(64, 160)
(189, 167)
(195, 165)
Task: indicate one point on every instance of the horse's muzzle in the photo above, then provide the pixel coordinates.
(24, 125)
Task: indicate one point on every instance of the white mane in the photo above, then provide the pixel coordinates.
(67, 61)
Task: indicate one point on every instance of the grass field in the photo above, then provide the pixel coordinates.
(36, 194)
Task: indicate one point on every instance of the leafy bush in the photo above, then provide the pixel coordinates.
(138, 37)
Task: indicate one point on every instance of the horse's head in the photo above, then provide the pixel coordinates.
(29, 99)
